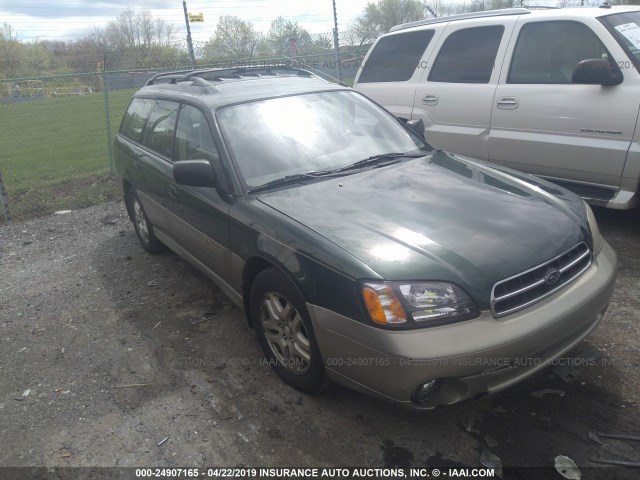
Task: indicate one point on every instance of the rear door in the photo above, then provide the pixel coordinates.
(545, 124)
(154, 166)
(455, 94)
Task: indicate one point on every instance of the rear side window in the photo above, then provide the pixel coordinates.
(548, 52)
(468, 56)
(136, 117)
(396, 57)
(161, 126)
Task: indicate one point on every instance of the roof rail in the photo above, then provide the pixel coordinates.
(199, 77)
(462, 16)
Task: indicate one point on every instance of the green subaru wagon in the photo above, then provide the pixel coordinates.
(358, 253)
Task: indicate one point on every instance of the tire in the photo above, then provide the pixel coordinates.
(142, 225)
(283, 326)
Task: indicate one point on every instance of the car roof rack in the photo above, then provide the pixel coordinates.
(462, 16)
(200, 77)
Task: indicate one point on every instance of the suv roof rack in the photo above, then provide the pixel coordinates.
(199, 77)
(462, 16)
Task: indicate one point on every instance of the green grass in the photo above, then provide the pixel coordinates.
(54, 152)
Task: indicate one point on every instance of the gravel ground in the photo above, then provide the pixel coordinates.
(107, 350)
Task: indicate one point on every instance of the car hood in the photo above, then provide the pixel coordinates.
(439, 217)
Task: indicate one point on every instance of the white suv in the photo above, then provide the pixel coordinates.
(551, 92)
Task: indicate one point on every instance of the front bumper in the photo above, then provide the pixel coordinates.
(472, 357)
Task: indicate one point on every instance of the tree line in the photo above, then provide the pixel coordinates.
(136, 39)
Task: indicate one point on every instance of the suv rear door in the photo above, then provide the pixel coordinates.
(560, 129)
(456, 91)
(393, 67)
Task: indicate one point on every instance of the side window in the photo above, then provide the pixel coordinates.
(136, 117)
(548, 52)
(160, 127)
(396, 57)
(468, 56)
(194, 140)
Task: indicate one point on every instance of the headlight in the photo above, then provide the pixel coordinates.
(595, 231)
(417, 304)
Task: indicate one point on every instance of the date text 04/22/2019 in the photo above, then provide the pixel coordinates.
(294, 473)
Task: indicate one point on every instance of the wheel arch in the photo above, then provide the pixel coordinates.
(252, 268)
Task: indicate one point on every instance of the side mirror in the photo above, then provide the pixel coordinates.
(417, 126)
(194, 173)
(597, 71)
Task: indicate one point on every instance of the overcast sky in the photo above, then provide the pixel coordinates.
(68, 19)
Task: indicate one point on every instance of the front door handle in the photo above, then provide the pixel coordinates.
(430, 100)
(508, 103)
(173, 193)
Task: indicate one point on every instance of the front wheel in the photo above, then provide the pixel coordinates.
(283, 326)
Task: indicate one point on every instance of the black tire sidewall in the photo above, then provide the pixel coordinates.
(272, 280)
(152, 245)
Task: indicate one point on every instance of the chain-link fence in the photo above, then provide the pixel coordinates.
(56, 130)
(55, 137)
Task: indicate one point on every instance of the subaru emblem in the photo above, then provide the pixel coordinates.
(552, 277)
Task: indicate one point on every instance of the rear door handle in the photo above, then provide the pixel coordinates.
(430, 100)
(508, 103)
(173, 193)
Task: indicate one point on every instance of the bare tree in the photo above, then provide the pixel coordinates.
(164, 32)
(234, 38)
(379, 17)
(138, 28)
(282, 32)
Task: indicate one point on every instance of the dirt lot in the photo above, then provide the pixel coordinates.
(106, 351)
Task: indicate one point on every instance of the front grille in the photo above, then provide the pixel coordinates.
(528, 287)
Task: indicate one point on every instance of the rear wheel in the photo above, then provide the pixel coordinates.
(283, 326)
(142, 225)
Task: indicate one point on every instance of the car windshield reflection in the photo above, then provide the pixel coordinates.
(280, 137)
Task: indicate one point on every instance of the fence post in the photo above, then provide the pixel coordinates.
(4, 201)
(105, 90)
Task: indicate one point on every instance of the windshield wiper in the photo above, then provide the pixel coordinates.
(382, 158)
(291, 179)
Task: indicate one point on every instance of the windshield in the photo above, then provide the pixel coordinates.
(317, 132)
(625, 27)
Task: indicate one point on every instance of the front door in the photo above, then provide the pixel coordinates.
(545, 124)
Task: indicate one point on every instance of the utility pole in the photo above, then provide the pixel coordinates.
(189, 42)
(336, 41)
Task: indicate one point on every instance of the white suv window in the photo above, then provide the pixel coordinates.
(396, 57)
(548, 52)
(468, 55)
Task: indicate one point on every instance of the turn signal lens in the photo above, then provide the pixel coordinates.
(383, 305)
